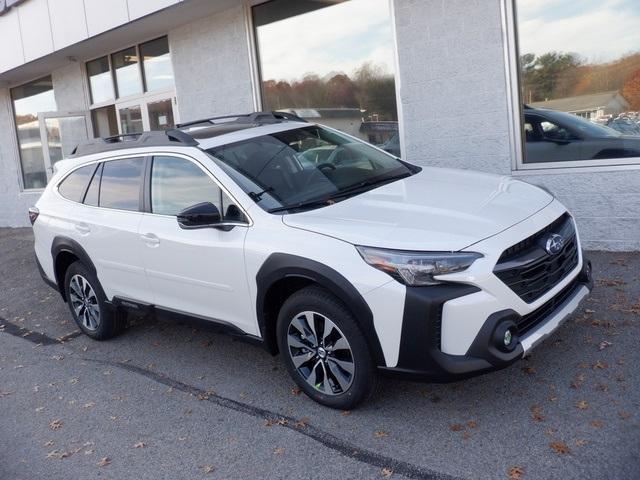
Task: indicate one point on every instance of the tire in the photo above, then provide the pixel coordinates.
(87, 303)
(338, 371)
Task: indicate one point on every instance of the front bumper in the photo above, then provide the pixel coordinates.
(421, 357)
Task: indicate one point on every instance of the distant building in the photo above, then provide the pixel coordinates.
(590, 106)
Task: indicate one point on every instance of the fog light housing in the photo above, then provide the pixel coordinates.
(508, 337)
(505, 336)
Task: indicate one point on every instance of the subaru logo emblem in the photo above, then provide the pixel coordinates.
(554, 244)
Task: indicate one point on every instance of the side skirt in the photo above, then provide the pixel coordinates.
(199, 321)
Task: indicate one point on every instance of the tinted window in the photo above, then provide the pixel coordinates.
(74, 186)
(91, 198)
(177, 184)
(121, 181)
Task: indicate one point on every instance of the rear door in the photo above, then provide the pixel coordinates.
(199, 272)
(107, 227)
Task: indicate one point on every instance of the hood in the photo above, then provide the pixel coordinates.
(434, 210)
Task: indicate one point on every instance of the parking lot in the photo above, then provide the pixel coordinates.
(165, 400)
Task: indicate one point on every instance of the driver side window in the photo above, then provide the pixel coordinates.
(177, 184)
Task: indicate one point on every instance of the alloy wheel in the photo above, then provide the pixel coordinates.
(84, 302)
(321, 353)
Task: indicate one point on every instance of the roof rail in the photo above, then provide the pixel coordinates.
(165, 138)
(258, 118)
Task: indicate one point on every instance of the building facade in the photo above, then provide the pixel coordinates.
(449, 79)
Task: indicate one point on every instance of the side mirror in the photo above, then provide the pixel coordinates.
(202, 215)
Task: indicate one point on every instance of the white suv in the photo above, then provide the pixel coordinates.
(340, 256)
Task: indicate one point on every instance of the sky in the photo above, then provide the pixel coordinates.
(598, 30)
(339, 38)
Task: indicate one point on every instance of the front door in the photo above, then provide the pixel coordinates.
(199, 272)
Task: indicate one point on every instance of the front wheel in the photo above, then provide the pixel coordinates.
(324, 349)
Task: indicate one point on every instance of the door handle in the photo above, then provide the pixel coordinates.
(83, 228)
(150, 239)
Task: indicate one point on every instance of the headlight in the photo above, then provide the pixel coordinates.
(417, 268)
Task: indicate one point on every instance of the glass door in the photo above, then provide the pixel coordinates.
(60, 133)
(130, 118)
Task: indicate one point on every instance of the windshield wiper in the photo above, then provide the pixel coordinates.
(352, 190)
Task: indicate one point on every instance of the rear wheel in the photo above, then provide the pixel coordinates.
(324, 350)
(87, 303)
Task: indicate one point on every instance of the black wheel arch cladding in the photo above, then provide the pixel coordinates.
(61, 245)
(279, 266)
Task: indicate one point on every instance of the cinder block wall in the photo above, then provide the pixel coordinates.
(453, 92)
(211, 65)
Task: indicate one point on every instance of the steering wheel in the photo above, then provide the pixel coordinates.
(330, 166)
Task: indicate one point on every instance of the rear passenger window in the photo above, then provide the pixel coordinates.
(91, 198)
(74, 186)
(121, 182)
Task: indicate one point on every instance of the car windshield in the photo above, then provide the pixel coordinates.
(306, 167)
(583, 125)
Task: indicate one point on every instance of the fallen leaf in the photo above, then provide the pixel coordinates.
(624, 415)
(582, 405)
(278, 451)
(296, 391)
(73, 381)
(139, 445)
(456, 427)
(89, 405)
(581, 443)
(5, 394)
(466, 435)
(472, 424)
(560, 448)
(515, 473)
(345, 413)
(604, 344)
(301, 423)
(597, 423)
(55, 424)
(529, 370)
(536, 413)
(104, 461)
(39, 409)
(208, 468)
(381, 434)
(600, 365)
(387, 472)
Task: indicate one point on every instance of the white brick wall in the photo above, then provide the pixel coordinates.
(211, 66)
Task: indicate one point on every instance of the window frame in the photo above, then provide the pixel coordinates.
(516, 111)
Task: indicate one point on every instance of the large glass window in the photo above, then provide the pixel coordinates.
(158, 71)
(125, 64)
(332, 62)
(120, 185)
(100, 81)
(579, 80)
(28, 100)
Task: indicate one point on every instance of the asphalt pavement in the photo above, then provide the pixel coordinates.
(165, 400)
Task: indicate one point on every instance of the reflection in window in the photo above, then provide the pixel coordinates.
(100, 81)
(120, 185)
(75, 185)
(177, 184)
(125, 64)
(158, 71)
(340, 70)
(582, 93)
(28, 100)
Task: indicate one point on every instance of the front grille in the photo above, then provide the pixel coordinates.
(533, 319)
(527, 268)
